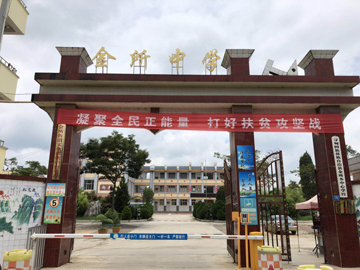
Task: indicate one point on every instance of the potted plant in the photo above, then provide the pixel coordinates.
(111, 218)
(104, 220)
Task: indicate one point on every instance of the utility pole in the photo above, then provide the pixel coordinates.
(4, 9)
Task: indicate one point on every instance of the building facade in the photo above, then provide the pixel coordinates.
(176, 188)
(354, 167)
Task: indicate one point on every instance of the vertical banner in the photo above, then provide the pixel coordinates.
(248, 195)
(59, 150)
(340, 174)
(245, 157)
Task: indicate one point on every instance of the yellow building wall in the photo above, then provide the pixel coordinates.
(17, 17)
(8, 83)
(2, 158)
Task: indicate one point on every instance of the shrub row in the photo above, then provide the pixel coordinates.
(210, 211)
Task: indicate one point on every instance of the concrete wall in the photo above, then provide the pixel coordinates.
(15, 192)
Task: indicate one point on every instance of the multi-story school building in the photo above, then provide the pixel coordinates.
(176, 188)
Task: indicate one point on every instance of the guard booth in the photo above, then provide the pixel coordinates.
(238, 103)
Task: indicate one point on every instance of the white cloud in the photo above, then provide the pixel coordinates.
(279, 30)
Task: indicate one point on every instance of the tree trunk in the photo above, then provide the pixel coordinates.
(113, 198)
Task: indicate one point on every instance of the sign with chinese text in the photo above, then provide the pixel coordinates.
(317, 123)
(248, 196)
(345, 207)
(340, 174)
(105, 187)
(149, 236)
(59, 150)
(55, 189)
(245, 157)
(53, 209)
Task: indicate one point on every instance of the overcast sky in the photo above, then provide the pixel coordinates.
(283, 31)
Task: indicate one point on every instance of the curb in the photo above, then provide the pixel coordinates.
(208, 220)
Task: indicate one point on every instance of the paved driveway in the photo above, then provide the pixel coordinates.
(142, 254)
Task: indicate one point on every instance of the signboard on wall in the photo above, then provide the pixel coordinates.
(59, 150)
(248, 196)
(57, 189)
(53, 210)
(245, 155)
(340, 173)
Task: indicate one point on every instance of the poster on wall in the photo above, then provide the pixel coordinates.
(248, 195)
(245, 157)
(57, 189)
(53, 210)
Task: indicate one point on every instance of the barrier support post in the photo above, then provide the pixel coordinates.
(239, 255)
(253, 250)
(246, 246)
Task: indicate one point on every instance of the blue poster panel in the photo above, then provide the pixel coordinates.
(248, 196)
(53, 209)
(245, 157)
(55, 189)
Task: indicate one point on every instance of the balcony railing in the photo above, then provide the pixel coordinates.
(23, 4)
(8, 65)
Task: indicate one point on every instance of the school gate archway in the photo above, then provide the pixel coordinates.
(317, 95)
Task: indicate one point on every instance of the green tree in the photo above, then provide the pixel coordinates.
(122, 196)
(307, 176)
(113, 156)
(220, 195)
(127, 213)
(148, 195)
(351, 152)
(293, 196)
(82, 203)
(33, 168)
(10, 164)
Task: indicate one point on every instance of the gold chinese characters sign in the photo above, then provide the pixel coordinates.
(211, 60)
(176, 59)
(141, 58)
(102, 58)
(59, 151)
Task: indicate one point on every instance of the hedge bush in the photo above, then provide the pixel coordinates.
(204, 211)
(221, 215)
(127, 213)
(145, 212)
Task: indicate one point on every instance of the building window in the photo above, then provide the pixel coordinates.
(183, 188)
(161, 202)
(183, 176)
(221, 176)
(172, 189)
(173, 202)
(183, 202)
(162, 175)
(172, 175)
(209, 175)
(89, 185)
(193, 201)
(156, 189)
(162, 189)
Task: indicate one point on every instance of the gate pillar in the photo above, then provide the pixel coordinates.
(341, 238)
(240, 138)
(57, 252)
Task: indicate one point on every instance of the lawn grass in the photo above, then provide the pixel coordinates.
(309, 217)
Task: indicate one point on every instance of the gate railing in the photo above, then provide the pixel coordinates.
(38, 250)
(272, 203)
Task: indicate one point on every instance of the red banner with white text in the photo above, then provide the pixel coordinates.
(315, 123)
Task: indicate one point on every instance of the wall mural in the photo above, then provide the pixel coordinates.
(21, 207)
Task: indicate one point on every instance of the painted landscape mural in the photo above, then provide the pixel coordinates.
(21, 207)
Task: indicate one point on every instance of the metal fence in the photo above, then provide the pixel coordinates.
(38, 256)
(8, 65)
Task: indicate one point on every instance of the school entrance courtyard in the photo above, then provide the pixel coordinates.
(189, 254)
